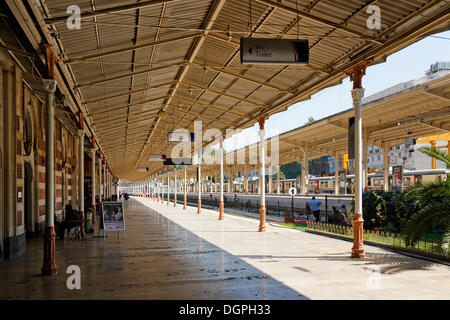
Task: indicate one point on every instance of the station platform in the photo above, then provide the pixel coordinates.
(171, 253)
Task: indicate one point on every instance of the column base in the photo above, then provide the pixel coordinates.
(358, 248)
(49, 267)
(175, 201)
(184, 203)
(221, 210)
(262, 218)
(199, 206)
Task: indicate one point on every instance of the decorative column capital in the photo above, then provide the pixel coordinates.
(261, 121)
(357, 95)
(49, 85)
(80, 133)
(93, 150)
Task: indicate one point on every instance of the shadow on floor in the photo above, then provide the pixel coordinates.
(159, 260)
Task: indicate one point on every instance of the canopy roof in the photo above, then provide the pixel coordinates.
(141, 68)
(420, 111)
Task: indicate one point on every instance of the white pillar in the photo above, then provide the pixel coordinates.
(105, 186)
(93, 177)
(358, 222)
(100, 187)
(386, 167)
(336, 173)
(199, 201)
(49, 265)
(305, 172)
(81, 170)
(278, 178)
(185, 188)
(245, 176)
(262, 153)
(357, 96)
(365, 171)
(175, 187)
(270, 180)
(221, 204)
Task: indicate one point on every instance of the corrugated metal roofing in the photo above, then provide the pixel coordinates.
(199, 40)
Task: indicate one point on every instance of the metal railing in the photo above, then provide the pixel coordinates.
(379, 236)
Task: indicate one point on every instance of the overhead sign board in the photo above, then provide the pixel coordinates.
(180, 136)
(274, 51)
(156, 157)
(177, 161)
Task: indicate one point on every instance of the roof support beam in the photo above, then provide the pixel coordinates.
(109, 119)
(244, 77)
(214, 107)
(207, 25)
(201, 116)
(100, 12)
(126, 106)
(140, 120)
(126, 93)
(320, 20)
(258, 104)
(126, 75)
(134, 47)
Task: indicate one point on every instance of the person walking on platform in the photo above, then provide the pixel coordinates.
(315, 207)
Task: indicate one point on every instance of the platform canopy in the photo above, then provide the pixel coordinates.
(138, 69)
(411, 110)
(438, 137)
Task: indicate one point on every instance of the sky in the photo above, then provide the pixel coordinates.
(407, 64)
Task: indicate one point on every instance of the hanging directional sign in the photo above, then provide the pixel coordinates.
(180, 136)
(177, 161)
(156, 157)
(274, 51)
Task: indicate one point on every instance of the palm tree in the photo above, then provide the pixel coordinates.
(433, 199)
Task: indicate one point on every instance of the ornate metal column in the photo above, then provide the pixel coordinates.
(336, 173)
(262, 210)
(168, 186)
(175, 187)
(49, 266)
(93, 183)
(356, 75)
(199, 201)
(100, 186)
(81, 173)
(278, 178)
(221, 179)
(386, 167)
(185, 189)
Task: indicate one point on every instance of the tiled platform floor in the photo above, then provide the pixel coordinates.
(174, 254)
